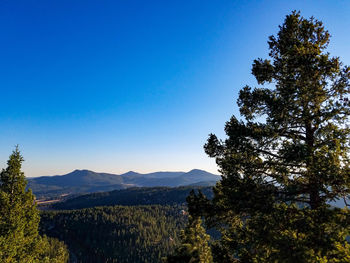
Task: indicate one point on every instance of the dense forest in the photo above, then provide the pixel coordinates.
(282, 165)
(134, 196)
(117, 233)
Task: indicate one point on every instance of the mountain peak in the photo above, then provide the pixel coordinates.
(83, 181)
(83, 171)
(130, 173)
(197, 170)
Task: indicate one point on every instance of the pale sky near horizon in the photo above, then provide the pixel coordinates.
(113, 86)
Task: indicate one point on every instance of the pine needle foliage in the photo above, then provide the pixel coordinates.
(287, 159)
(194, 247)
(117, 233)
(19, 220)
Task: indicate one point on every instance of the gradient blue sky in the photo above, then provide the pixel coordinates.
(115, 86)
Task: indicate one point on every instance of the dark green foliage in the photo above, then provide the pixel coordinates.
(133, 196)
(287, 159)
(194, 246)
(117, 234)
(54, 251)
(19, 219)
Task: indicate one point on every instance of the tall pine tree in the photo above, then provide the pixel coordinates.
(287, 159)
(19, 220)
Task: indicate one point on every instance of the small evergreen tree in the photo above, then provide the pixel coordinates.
(287, 159)
(19, 218)
(53, 251)
(194, 247)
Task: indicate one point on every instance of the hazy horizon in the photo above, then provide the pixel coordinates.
(161, 171)
(120, 86)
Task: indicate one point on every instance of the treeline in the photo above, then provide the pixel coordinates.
(118, 233)
(134, 196)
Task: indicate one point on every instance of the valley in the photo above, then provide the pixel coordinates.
(130, 217)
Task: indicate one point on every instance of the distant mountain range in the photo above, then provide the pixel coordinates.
(85, 181)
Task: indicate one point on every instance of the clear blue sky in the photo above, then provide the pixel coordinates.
(133, 85)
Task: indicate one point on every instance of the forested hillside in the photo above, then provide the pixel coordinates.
(134, 196)
(118, 233)
(283, 195)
